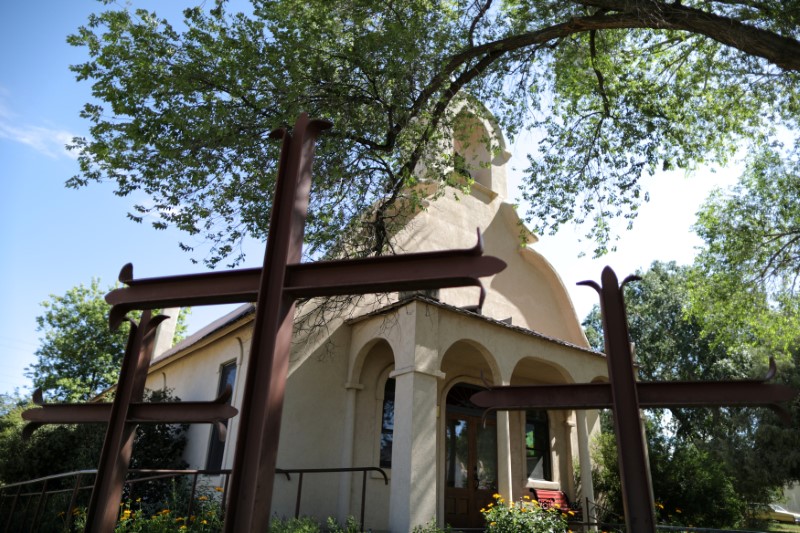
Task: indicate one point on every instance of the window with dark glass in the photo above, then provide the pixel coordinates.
(537, 445)
(387, 424)
(216, 448)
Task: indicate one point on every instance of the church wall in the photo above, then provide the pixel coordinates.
(528, 290)
(312, 429)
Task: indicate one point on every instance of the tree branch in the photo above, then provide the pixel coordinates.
(783, 52)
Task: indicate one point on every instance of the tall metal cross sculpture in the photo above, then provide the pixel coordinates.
(626, 396)
(274, 288)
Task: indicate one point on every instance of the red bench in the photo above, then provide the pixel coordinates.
(548, 498)
(551, 498)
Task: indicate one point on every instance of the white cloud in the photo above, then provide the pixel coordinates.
(45, 140)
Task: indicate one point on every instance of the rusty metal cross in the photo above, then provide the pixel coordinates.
(122, 417)
(274, 288)
(626, 396)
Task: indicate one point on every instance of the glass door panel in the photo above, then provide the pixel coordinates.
(457, 453)
(486, 467)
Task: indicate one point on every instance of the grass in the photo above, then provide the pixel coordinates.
(784, 527)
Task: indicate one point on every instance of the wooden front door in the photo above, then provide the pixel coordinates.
(470, 462)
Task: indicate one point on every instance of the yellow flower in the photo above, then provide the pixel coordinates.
(571, 513)
(678, 511)
(204, 522)
(497, 496)
(138, 500)
(490, 505)
(660, 505)
(165, 511)
(218, 489)
(493, 523)
(182, 528)
(526, 497)
(203, 498)
(483, 510)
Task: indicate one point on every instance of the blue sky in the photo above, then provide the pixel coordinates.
(53, 238)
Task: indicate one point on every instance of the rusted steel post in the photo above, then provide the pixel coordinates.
(115, 456)
(637, 494)
(250, 495)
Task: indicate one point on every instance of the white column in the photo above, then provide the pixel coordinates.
(413, 484)
(348, 438)
(585, 460)
(504, 479)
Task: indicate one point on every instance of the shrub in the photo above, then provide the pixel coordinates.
(524, 516)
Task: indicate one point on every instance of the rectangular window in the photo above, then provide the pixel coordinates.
(387, 424)
(537, 445)
(216, 448)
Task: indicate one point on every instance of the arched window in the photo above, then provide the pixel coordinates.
(537, 446)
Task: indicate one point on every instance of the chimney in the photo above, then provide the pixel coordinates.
(165, 333)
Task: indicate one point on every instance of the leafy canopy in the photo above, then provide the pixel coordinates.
(614, 89)
(79, 356)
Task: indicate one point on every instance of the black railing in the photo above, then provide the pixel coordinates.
(363, 470)
(17, 500)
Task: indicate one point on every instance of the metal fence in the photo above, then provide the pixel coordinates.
(50, 503)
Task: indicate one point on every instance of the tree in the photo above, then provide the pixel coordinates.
(617, 90)
(747, 277)
(690, 484)
(79, 356)
(741, 456)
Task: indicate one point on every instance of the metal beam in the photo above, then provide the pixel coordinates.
(651, 395)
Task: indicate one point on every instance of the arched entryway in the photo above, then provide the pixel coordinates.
(471, 475)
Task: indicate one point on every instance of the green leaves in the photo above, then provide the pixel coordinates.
(79, 356)
(748, 270)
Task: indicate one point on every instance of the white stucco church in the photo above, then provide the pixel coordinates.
(387, 384)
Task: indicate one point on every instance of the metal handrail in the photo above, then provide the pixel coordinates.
(154, 474)
(362, 469)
